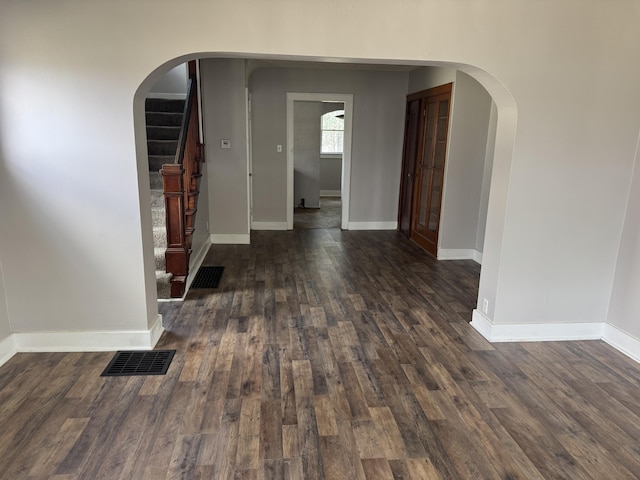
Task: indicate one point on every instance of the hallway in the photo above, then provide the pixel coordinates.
(327, 354)
(327, 216)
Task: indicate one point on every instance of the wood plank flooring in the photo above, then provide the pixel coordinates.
(327, 355)
(329, 215)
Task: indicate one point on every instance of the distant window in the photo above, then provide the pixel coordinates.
(332, 132)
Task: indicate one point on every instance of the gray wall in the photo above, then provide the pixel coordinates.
(624, 307)
(172, 83)
(331, 165)
(330, 173)
(378, 122)
(465, 164)
(463, 201)
(429, 77)
(486, 178)
(306, 153)
(5, 327)
(225, 117)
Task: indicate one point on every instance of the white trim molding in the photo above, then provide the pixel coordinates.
(373, 225)
(460, 254)
(194, 266)
(7, 349)
(535, 332)
(329, 193)
(106, 341)
(268, 225)
(230, 239)
(622, 341)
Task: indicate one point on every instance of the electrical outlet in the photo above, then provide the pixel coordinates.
(485, 305)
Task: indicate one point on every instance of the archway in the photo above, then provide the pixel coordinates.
(499, 185)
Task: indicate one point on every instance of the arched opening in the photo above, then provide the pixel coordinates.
(497, 199)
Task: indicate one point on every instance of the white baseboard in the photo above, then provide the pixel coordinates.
(197, 259)
(7, 349)
(373, 225)
(460, 254)
(194, 265)
(536, 332)
(89, 341)
(230, 239)
(268, 225)
(330, 193)
(622, 341)
(167, 96)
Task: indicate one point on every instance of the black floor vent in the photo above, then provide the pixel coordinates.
(208, 277)
(155, 362)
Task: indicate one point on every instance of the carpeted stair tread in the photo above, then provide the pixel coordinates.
(155, 181)
(164, 105)
(157, 161)
(159, 237)
(163, 132)
(163, 284)
(158, 217)
(161, 261)
(162, 147)
(166, 119)
(157, 199)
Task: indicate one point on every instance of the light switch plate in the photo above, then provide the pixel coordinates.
(225, 143)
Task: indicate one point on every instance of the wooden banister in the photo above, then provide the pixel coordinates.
(181, 183)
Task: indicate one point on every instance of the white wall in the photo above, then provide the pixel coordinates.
(424, 78)
(483, 206)
(5, 327)
(565, 127)
(172, 84)
(377, 137)
(306, 153)
(225, 118)
(624, 311)
(465, 164)
(467, 176)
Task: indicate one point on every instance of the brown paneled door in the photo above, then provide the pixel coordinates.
(412, 139)
(423, 165)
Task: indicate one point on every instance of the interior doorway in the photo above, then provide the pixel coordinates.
(346, 100)
(318, 146)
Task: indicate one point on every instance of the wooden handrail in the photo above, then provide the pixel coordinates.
(181, 182)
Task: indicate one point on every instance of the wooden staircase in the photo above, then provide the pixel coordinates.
(164, 123)
(173, 142)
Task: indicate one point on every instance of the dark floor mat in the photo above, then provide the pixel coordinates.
(127, 363)
(208, 277)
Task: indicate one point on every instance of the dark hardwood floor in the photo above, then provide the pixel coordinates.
(327, 355)
(329, 215)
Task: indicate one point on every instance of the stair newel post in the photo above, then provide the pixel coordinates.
(177, 253)
(181, 182)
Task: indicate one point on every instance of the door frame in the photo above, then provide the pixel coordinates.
(345, 191)
(431, 245)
